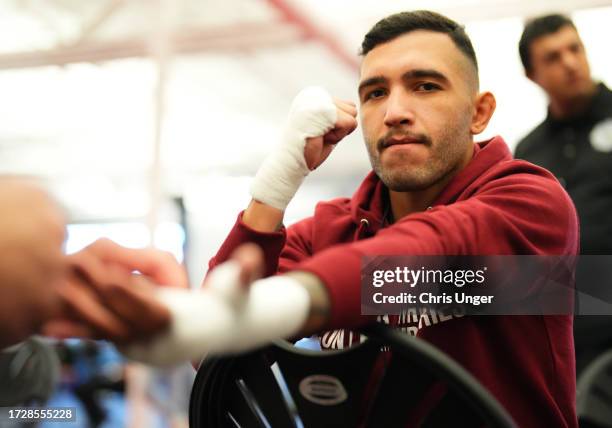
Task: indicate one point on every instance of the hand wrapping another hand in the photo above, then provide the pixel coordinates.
(162, 325)
(228, 315)
(103, 299)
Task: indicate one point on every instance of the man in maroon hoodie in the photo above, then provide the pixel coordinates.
(433, 191)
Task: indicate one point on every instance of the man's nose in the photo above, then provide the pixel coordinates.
(399, 110)
(570, 60)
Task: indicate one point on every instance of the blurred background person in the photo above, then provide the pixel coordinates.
(32, 232)
(574, 142)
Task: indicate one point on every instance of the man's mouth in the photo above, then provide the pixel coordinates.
(573, 78)
(403, 140)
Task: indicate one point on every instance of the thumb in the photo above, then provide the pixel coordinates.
(251, 261)
(312, 151)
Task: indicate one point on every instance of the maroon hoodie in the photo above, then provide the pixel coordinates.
(494, 206)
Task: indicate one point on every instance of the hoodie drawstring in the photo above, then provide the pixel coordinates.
(363, 229)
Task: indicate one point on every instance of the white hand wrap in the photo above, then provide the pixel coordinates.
(312, 114)
(217, 319)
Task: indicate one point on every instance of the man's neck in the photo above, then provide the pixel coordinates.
(567, 108)
(405, 203)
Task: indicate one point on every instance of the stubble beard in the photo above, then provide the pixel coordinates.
(446, 155)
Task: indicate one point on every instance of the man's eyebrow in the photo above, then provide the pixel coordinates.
(412, 74)
(375, 80)
(421, 73)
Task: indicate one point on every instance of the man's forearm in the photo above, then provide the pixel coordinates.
(262, 217)
(320, 307)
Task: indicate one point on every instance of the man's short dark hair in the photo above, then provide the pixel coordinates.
(401, 23)
(536, 28)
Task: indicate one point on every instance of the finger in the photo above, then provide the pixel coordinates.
(114, 298)
(128, 297)
(161, 266)
(350, 109)
(345, 121)
(251, 261)
(327, 149)
(138, 307)
(344, 101)
(83, 305)
(312, 151)
(345, 124)
(65, 329)
(89, 271)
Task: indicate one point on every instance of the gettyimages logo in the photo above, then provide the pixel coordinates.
(472, 285)
(414, 277)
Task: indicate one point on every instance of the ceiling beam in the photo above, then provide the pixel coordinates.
(292, 15)
(241, 37)
(108, 10)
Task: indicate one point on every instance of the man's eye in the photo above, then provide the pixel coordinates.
(551, 58)
(427, 87)
(575, 48)
(376, 93)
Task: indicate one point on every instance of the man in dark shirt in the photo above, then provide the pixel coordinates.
(574, 142)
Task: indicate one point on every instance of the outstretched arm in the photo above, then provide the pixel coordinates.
(234, 312)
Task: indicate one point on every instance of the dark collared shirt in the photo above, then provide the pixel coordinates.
(578, 151)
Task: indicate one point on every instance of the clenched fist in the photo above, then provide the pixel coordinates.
(316, 122)
(318, 148)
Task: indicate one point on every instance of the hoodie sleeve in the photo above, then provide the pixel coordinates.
(514, 214)
(282, 249)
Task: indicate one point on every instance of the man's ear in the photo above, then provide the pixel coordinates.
(484, 106)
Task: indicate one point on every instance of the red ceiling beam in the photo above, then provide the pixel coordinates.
(310, 30)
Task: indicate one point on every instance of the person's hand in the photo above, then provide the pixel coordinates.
(319, 148)
(229, 314)
(248, 261)
(32, 232)
(314, 117)
(159, 266)
(104, 299)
